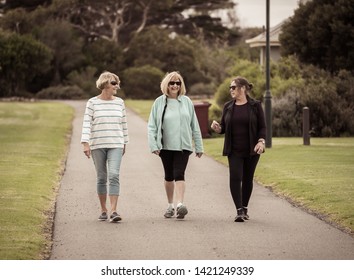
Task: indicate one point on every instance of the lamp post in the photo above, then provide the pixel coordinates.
(268, 96)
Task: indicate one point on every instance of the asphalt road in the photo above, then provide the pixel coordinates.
(276, 231)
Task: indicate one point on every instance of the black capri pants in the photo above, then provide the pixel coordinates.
(174, 164)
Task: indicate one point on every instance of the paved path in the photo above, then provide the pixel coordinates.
(277, 230)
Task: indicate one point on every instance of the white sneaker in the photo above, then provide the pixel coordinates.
(170, 212)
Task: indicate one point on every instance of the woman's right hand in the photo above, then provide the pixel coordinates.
(87, 150)
(157, 152)
(216, 127)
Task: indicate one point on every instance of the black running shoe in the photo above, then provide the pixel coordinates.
(245, 215)
(239, 217)
(115, 217)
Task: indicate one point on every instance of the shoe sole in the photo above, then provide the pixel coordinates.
(239, 220)
(115, 219)
(168, 216)
(182, 211)
(103, 218)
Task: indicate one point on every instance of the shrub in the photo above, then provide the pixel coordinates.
(85, 80)
(61, 92)
(104, 55)
(325, 107)
(287, 115)
(253, 73)
(22, 59)
(202, 89)
(215, 113)
(142, 82)
(294, 86)
(222, 94)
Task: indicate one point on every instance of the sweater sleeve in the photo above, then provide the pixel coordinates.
(261, 122)
(125, 124)
(196, 133)
(152, 128)
(87, 123)
(222, 122)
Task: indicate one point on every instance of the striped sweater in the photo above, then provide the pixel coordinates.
(105, 124)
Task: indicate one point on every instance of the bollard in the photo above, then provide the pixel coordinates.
(306, 125)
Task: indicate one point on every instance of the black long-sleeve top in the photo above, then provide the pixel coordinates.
(237, 140)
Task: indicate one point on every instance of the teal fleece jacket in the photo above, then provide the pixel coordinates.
(190, 129)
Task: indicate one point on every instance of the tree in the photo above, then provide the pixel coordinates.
(111, 19)
(24, 21)
(116, 34)
(104, 56)
(66, 46)
(142, 82)
(195, 18)
(156, 47)
(17, 21)
(26, 4)
(22, 59)
(321, 33)
(121, 21)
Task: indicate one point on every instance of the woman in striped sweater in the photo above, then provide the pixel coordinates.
(104, 136)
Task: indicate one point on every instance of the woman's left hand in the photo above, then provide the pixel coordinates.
(259, 148)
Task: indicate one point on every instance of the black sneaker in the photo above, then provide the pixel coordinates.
(103, 217)
(245, 215)
(239, 217)
(115, 217)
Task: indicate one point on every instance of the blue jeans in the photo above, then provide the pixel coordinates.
(107, 162)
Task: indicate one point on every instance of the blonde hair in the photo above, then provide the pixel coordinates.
(167, 79)
(105, 78)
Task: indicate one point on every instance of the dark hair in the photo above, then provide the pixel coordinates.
(241, 81)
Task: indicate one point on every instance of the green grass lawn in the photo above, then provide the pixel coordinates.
(319, 177)
(33, 145)
(141, 107)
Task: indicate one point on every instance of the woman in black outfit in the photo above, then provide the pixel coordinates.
(244, 126)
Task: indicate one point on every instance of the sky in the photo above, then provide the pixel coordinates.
(252, 13)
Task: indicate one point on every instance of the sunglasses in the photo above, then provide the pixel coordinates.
(174, 83)
(114, 83)
(233, 87)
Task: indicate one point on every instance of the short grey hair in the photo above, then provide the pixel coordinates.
(105, 78)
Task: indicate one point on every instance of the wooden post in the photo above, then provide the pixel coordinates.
(306, 125)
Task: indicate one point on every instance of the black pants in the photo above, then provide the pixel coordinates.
(241, 171)
(174, 164)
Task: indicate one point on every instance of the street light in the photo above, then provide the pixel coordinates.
(268, 96)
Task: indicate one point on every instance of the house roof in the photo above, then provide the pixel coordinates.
(260, 40)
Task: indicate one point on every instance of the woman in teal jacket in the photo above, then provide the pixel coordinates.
(172, 127)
